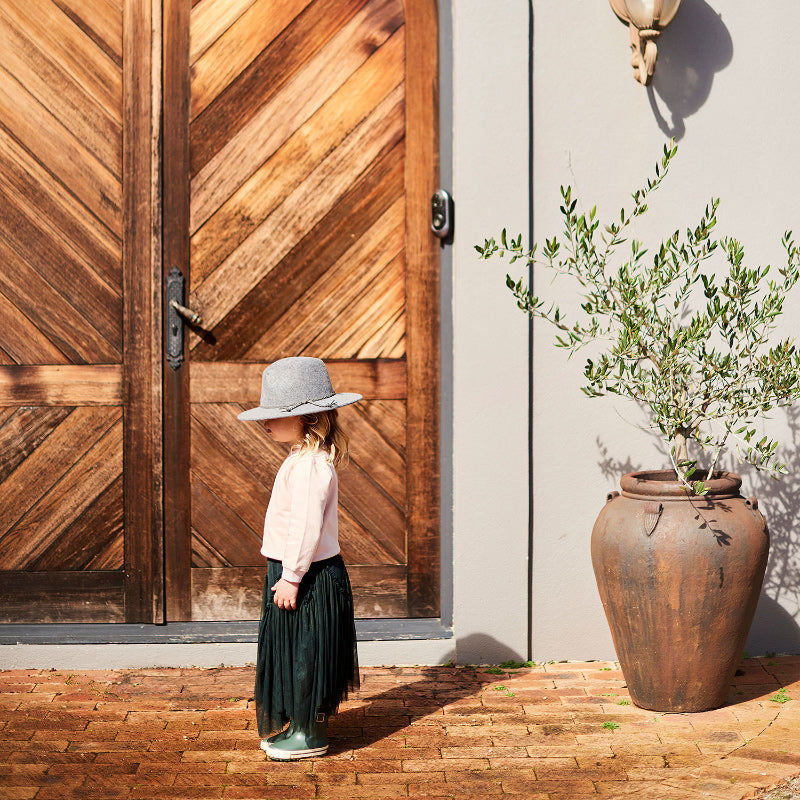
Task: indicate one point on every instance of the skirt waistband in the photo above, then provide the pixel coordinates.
(321, 563)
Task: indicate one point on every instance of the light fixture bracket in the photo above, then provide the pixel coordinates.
(645, 22)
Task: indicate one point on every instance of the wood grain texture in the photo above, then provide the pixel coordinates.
(336, 317)
(224, 594)
(74, 280)
(22, 341)
(311, 112)
(422, 310)
(220, 538)
(177, 427)
(224, 474)
(56, 90)
(240, 382)
(56, 35)
(22, 430)
(61, 478)
(210, 20)
(100, 20)
(61, 597)
(57, 385)
(233, 468)
(305, 206)
(348, 221)
(59, 211)
(61, 152)
(93, 540)
(225, 41)
(45, 307)
(300, 225)
(62, 382)
(233, 108)
(142, 320)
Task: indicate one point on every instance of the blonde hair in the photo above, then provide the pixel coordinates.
(321, 431)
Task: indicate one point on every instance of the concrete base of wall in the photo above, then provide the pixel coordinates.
(229, 654)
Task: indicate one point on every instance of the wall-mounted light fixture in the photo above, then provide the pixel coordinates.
(646, 19)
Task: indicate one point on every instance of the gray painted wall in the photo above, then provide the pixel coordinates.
(490, 341)
(724, 86)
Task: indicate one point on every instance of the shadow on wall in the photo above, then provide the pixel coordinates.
(692, 48)
(776, 626)
(481, 648)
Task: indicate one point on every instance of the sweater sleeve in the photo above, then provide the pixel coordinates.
(310, 482)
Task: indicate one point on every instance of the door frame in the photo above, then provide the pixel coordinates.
(142, 339)
(422, 310)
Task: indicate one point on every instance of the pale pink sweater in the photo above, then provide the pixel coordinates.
(301, 524)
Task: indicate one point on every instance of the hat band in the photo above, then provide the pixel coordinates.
(319, 403)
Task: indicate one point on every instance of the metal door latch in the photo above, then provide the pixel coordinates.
(442, 216)
(176, 312)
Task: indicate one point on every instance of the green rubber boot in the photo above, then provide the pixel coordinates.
(276, 737)
(299, 744)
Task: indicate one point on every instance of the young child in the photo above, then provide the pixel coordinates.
(307, 659)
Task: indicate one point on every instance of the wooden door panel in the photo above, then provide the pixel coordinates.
(79, 531)
(345, 313)
(234, 465)
(253, 86)
(58, 209)
(327, 97)
(227, 37)
(235, 592)
(299, 190)
(358, 210)
(246, 266)
(73, 40)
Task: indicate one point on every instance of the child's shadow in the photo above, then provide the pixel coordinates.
(391, 698)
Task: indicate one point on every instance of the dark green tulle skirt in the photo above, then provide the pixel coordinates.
(307, 660)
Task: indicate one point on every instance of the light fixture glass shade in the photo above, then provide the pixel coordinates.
(640, 12)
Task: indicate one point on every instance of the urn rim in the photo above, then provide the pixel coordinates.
(663, 484)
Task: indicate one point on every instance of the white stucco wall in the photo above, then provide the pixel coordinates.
(729, 79)
(490, 361)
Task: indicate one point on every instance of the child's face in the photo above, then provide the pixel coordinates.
(288, 430)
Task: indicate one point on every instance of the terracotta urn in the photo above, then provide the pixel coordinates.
(679, 576)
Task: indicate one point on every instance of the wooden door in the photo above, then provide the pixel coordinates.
(80, 513)
(300, 156)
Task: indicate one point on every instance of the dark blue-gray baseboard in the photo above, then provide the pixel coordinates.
(367, 630)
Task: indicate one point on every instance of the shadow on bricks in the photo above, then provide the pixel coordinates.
(391, 698)
(756, 677)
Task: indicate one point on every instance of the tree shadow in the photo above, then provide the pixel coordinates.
(614, 468)
(776, 627)
(394, 697)
(763, 677)
(419, 692)
(694, 47)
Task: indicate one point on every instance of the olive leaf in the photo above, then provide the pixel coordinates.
(691, 344)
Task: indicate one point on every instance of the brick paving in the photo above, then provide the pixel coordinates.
(559, 731)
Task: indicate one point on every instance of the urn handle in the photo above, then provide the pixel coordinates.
(752, 502)
(611, 495)
(651, 514)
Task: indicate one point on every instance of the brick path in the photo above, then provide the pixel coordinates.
(554, 732)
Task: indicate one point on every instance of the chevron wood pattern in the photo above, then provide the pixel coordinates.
(60, 183)
(61, 503)
(297, 229)
(284, 153)
(233, 467)
(70, 162)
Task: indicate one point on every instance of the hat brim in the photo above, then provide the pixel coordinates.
(328, 404)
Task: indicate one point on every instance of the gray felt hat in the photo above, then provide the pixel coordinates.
(295, 386)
